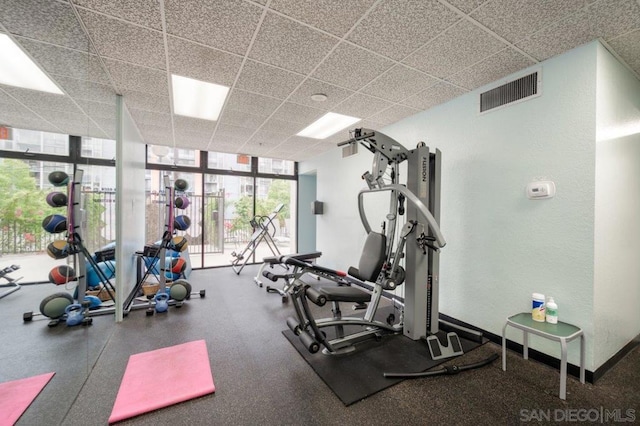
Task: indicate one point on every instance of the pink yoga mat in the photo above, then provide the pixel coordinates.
(17, 395)
(163, 377)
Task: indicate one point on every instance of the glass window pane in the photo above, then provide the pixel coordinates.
(235, 162)
(99, 205)
(160, 154)
(34, 141)
(98, 148)
(273, 165)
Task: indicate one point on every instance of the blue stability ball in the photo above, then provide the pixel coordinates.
(55, 223)
(108, 268)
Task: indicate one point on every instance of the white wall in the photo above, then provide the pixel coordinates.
(501, 246)
(617, 208)
(130, 202)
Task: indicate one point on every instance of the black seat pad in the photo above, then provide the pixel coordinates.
(345, 294)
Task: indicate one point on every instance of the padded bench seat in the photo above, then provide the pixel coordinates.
(345, 294)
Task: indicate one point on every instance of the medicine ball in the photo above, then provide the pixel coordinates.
(58, 178)
(62, 274)
(57, 199)
(182, 222)
(179, 243)
(178, 265)
(55, 223)
(180, 290)
(53, 306)
(181, 184)
(58, 249)
(181, 202)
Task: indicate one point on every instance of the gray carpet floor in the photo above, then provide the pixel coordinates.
(261, 379)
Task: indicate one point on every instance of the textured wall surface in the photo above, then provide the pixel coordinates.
(617, 208)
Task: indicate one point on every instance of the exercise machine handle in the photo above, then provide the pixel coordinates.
(295, 262)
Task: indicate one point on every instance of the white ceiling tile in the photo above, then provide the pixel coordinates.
(311, 86)
(75, 115)
(297, 113)
(252, 103)
(98, 109)
(434, 95)
(187, 124)
(226, 25)
(611, 18)
(141, 79)
(395, 28)
(118, 40)
(155, 136)
(361, 106)
(37, 99)
(459, 47)
(203, 63)
(87, 90)
(146, 101)
(230, 131)
(334, 16)
(49, 21)
(149, 118)
(491, 69)
(466, 6)
(67, 62)
(303, 50)
(108, 125)
(282, 127)
(398, 83)
(628, 47)
(267, 80)
(242, 119)
(193, 142)
(517, 20)
(351, 67)
(266, 138)
(393, 114)
(558, 37)
(142, 12)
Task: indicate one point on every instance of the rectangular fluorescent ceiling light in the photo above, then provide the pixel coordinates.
(327, 125)
(17, 69)
(198, 99)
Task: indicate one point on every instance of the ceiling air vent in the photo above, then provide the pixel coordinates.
(516, 90)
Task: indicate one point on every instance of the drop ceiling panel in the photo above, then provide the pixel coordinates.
(36, 99)
(267, 80)
(266, 138)
(460, 46)
(154, 136)
(361, 106)
(614, 17)
(141, 12)
(558, 37)
(516, 20)
(49, 21)
(398, 83)
(133, 77)
(76, 116)
(395, 28)
(226, 25)
(86, 90)
(290, 45)
(64, 61)
(242, 119)
(466, 6)
(146, 101)
(202, 63)
(286, 128)
(393, 114)
(311, 86)
(298, 113)
(98, 109)
(252, 103)
(628, 47)
(351, 67)
(149, 118)
(188, 124)
(434, 95)
(334, 16)
(235, 132)
(491, 69)
(125, 42)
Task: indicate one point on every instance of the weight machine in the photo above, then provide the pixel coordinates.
(12, 283)
(263, 230)
(417, 243)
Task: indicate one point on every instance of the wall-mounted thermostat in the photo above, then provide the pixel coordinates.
(541, 189)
